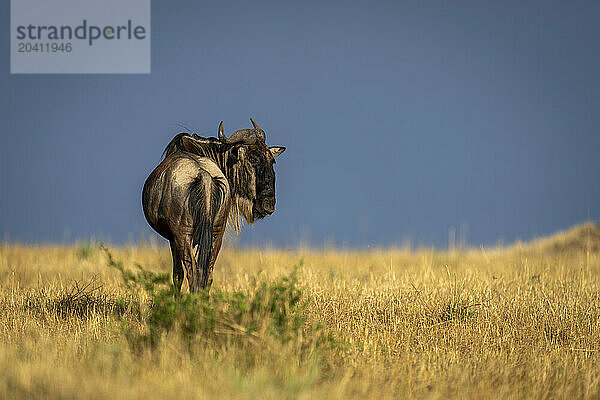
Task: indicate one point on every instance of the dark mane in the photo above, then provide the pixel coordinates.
(205, 145)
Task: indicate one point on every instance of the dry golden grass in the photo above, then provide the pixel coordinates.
(521, 322)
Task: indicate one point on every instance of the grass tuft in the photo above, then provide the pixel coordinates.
(86, 251)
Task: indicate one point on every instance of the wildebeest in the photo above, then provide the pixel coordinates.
(200, 185)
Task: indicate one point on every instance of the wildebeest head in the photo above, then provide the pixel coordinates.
(251, 163)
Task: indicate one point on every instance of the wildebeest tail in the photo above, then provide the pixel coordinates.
(203, 225)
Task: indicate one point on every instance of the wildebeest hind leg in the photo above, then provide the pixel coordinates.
(217, 238)
(177, 255)
(186, 255)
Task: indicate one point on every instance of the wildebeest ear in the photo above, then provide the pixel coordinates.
(276, 150)
(237, 153)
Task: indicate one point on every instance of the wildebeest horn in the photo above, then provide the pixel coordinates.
(259, 132)
(246, 136)
(255, 125)
(222, 136)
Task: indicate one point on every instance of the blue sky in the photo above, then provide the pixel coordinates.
(401, 120)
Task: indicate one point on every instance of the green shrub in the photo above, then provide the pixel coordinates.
(269, 311)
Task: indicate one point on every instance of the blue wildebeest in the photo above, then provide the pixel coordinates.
(201, 184)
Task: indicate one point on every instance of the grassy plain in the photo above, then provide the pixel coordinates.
(517, 322)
